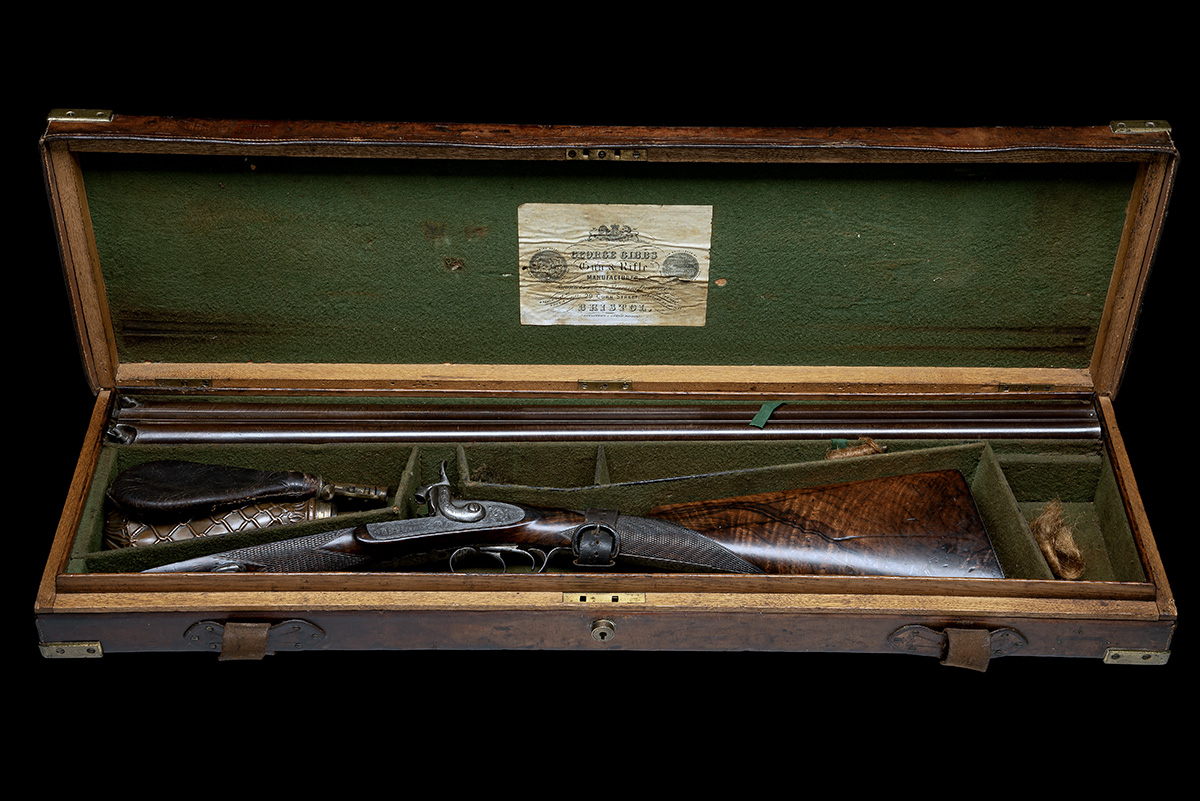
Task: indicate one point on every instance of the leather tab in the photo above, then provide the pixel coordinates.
(244, 641)
(968, 648)
(606, 517)
(238, 639)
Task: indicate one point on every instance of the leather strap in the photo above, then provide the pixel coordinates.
(968, 648)
(244, 641)
(595, 542)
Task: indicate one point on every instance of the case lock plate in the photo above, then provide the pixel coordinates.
(606, 154)
(604, 598)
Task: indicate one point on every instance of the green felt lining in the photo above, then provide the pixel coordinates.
(379, 261)
(1011, 481)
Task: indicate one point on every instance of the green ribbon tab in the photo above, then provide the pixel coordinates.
(765, 412)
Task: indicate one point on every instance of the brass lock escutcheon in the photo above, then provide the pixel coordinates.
(603, 630)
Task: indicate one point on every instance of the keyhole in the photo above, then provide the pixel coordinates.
(602, 630)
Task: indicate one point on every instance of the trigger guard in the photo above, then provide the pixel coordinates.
(547, 557)
(468, 550)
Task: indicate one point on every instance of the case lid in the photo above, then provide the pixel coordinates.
(558, 261)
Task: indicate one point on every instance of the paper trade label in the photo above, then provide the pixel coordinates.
(613, 264)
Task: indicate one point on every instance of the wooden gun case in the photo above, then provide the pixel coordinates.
(370, 301)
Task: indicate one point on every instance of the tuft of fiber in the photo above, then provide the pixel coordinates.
(865, 447)
(1055, 538)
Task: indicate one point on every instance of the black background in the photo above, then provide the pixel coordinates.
(449, 77)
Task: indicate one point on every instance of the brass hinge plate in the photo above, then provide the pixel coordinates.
(71, 650)
(604, 597)
(1139, 126)
(80, 115)
(1133, 656)
(1026, 387)
(186, 383)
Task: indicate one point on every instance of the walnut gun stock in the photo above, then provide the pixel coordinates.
(921, 525)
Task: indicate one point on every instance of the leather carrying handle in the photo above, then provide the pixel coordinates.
(958, 647)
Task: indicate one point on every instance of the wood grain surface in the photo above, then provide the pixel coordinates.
(924, 524)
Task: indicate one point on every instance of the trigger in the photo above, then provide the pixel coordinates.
(537, 560)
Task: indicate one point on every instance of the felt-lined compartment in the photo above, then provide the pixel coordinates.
(700, 471)
(1085, 484)
(1011, 480)
(359, 464)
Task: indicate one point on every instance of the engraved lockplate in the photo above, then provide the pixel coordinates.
(495, 514)
(613, 264)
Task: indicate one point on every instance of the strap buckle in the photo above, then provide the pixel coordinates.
(595, 542)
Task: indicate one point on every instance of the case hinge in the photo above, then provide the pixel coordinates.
(604, 386)
(185, 383)
(1133, 656)
(80, 115)
(1139, 126)
(71, 650)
